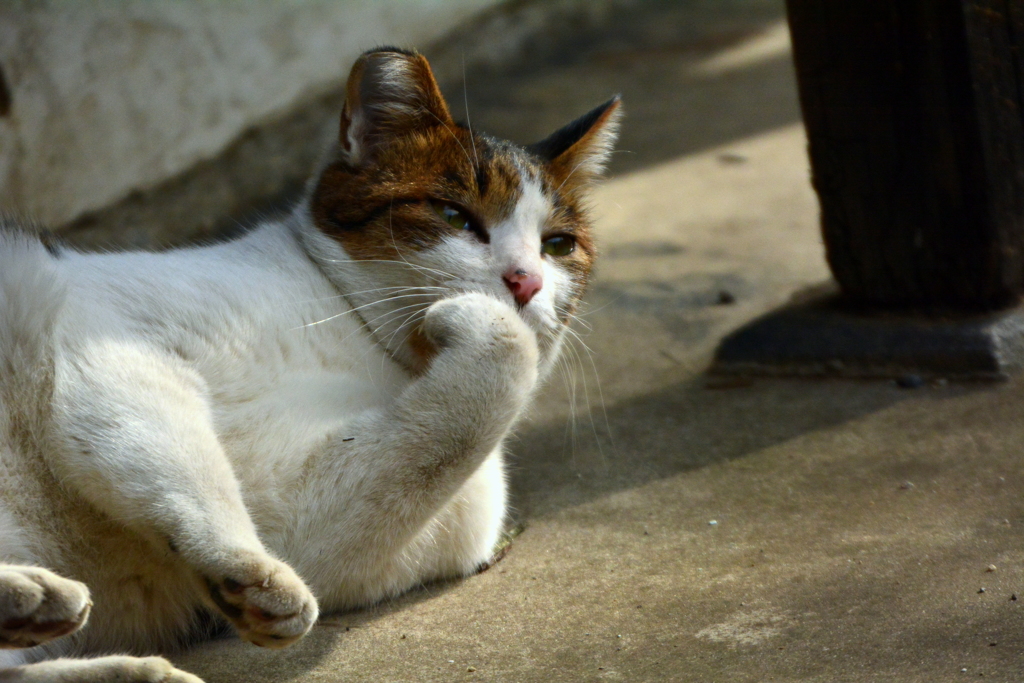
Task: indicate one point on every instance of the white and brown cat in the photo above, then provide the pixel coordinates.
(307, 418)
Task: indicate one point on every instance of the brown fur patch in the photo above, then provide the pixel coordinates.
(423, 350)
(382, 210)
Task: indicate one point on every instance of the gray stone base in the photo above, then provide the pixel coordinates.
(824, 337)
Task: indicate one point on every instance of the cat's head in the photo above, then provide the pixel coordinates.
(423, 207)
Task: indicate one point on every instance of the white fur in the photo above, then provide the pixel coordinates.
(206, 415)
(596, 149)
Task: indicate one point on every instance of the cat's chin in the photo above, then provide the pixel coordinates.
(550, 334)
(544, 326)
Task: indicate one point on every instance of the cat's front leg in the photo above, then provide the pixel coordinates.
(375, 487)
(137, 441)
(476, 387)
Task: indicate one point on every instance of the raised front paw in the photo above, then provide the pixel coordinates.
(483, 323)
(36, 605)
(263, 598)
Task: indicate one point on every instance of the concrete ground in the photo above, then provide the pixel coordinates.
(682, 527)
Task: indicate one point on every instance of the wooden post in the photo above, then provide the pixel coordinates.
(915, 116)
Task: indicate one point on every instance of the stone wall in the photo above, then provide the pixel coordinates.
(100, 99)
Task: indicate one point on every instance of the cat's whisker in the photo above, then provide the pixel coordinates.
(586, 390)
(389, 317)
(391, 261)
(469, 121)
(394, 311)
(575, 375)
(576, 319)
(369, 323)
(564, 312)
(569, 380)
(575, 337)
(404, 323)
(409, 318)
(581, 322)
(579, 406)
(590, 312)
(575, 370)
(382, 289)
(358, 308)
(391, 231)
(386, 343)
(574, 169)
(454, 137)
(398, 251)
(406, 338)
(415, 266)
(365, 291)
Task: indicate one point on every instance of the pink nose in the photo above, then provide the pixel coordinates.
(523, 285)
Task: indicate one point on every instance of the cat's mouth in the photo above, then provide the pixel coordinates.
(542, 325)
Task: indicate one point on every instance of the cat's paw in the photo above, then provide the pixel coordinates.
(480, 321)
(108, 669)
(145, 670)
(36, 605)
(264, 599)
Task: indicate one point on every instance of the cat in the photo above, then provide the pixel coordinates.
(316, 408)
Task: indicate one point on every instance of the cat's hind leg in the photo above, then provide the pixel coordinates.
(36, 606)
(114, 669)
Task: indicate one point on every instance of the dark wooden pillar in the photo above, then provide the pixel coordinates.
(915, 115)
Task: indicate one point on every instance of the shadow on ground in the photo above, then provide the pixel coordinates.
(692, 425)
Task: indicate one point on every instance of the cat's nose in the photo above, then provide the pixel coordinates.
(522, 284)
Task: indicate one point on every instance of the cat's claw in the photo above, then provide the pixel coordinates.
(265, 600)
(36, 606)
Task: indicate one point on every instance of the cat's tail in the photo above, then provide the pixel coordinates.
(32, 294)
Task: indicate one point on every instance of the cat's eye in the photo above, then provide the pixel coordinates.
(559, 245)
(452, 216)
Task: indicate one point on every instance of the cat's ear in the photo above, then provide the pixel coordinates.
(390, 92)
(577, 153)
